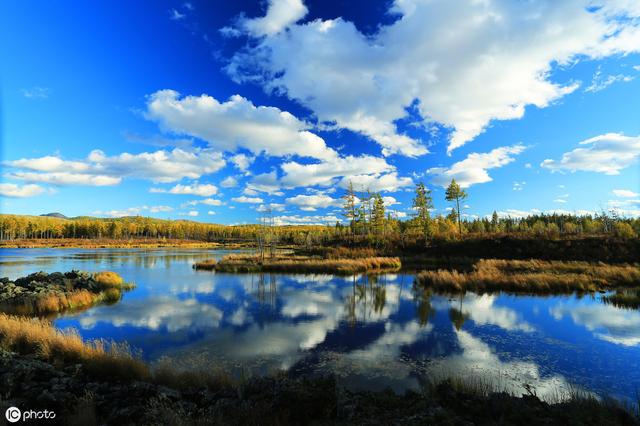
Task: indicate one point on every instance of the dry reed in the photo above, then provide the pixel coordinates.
(533, 276)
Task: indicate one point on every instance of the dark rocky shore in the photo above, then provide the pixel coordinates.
(77, 398)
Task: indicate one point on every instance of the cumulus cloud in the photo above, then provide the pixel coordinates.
(98, 169)
(625, 193)
(203, 190)
(305, 220)
(229, 182)
(248, 200)
(501, 63)
(280, 14)
(206, 201)
(473, 169)
(324, 173)
(265, 182)
(133, 211)
(20, 191)
(236, 123)
(608, 154)
(242, 161)
(388, 182)
(314, 202)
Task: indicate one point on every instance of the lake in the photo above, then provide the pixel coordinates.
(371, 332)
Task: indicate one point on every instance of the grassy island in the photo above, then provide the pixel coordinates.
(300, 264)
(533, 276)
(41, 293)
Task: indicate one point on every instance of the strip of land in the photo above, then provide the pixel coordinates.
(300, 264)
(533, 276)
(44, 368)
(41, 293)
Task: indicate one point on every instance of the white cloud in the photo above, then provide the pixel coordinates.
(265, 182)
(519, 186)
(99, 169)
(280, 14)
(191, 213)
(601, 82)
(241, 161)
(249, 200)
(133, 211)
(236, 123)
(324, 173)
(498, 62)
(229, 182)
(211, 212)
(203, 190)
(389, 201)
(625, 193)
(274, 207)
(608, 154)
(36, 93)
(473, 169)
(64, 178)
(20, 191)
(306, 220)
(314, 202)
(207, 201)
(158, 209)
(376, 183)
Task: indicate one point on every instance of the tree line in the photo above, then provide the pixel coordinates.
(367, 221)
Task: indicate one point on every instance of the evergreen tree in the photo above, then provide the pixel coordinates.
(349, 207)
(455, 193)
(422, 203)
(378, 214)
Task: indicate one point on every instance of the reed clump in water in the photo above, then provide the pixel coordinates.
(533, 276)
(304, 264)
(207, 265)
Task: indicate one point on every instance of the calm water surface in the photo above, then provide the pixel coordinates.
(370, 332)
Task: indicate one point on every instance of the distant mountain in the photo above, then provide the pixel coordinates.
(58, 215)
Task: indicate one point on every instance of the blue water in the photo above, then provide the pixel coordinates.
(372, 333)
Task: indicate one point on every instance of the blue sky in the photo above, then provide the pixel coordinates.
(211, 110)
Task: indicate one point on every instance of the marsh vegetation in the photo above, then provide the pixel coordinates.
(531, 276)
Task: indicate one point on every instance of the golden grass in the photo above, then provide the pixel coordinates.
(305, 264)
(108, 279)
(34, 336)
(101, 359)
(533, 276)
(111, 283)
(206, 265)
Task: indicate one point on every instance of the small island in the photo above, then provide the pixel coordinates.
(42, 293)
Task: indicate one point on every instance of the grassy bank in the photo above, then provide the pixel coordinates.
(118, 243)
(80, 381)
(300, 264)
(41, 293)
(531, 276)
